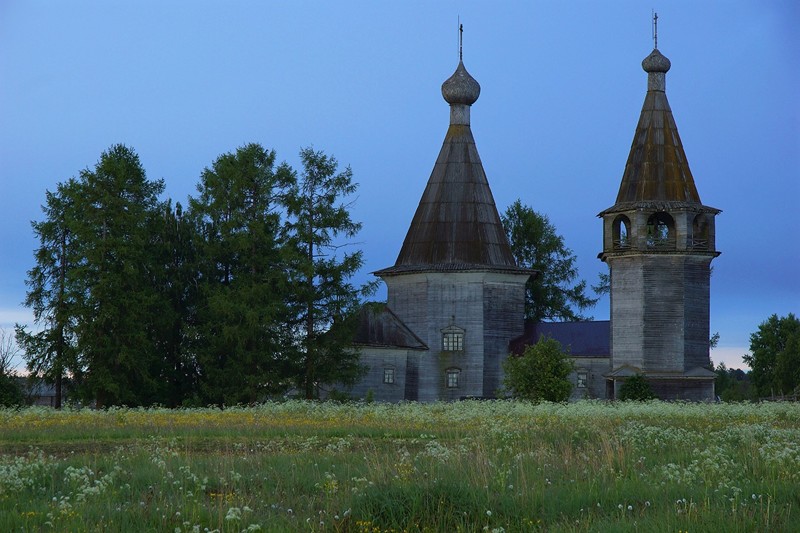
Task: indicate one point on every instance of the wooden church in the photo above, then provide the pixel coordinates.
(455, 304)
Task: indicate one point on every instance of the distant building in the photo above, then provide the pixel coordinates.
(455, 305)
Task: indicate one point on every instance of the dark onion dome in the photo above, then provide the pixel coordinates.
(656, 62)
(461, 88)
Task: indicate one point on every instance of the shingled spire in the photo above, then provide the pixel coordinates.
(657, 171)
(456, 225)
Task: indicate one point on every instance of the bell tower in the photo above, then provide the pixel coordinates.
(658, 242)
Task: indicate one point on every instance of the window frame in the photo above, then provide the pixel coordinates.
(452, 378)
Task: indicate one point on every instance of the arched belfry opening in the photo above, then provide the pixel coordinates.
(661, 231)
(701, 231)
(621, 231)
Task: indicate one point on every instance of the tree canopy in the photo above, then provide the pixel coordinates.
(555, 294)
(775, 356)
(244, 295)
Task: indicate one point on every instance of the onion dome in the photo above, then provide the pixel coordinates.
(656, 62)
(461, 88)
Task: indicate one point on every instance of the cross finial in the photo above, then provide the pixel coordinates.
(655, 30)
(460, 41)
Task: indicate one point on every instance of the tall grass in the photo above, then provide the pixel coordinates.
(467, 466)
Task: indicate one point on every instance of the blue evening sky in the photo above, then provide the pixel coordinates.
(562, 86)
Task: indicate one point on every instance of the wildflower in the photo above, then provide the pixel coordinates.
(630, 507)
(489, 514)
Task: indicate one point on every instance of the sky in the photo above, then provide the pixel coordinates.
(185, 81)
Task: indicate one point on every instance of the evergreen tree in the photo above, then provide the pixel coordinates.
(174, 276)
(54, 291)
(242, 285)
(323, 299)
(116, 202)
(552, 294)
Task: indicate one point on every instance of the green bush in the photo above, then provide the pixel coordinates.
(540, 374)
(636, 388)
(11, 394)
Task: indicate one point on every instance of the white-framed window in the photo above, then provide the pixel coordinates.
(452, 339)
(583, 377)
(451, 377)
(388, 375)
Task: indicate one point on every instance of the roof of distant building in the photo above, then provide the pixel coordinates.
(580, 339)
(378, 326)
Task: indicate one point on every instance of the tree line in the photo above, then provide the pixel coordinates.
(245, 293)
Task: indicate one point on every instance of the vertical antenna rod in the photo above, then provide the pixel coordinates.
(655, 30)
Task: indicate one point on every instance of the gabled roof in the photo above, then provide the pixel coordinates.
(378, 326)
(657, 172)
(580, 339)
(456, 225)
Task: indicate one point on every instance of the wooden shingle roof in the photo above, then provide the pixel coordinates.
(657, 172)
(456, 225)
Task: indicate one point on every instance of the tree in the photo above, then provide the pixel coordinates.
(174, 275)
(240, 341)
(113, 235)
(636, 388)
(732, 384)
(540, 373)
(54, 290)
(323, 298)
(775, 356)
(552, 294)
(8, 351)
(10, 391)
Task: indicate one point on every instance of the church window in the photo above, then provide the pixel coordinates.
(388, 375)
(452, 339)
(582, 379)
(452, 375)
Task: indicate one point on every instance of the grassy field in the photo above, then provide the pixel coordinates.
(467, 466)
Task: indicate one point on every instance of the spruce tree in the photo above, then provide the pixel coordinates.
(116, 203)
(323, 297)
(238, 333)
(54, 291)
(553, 295)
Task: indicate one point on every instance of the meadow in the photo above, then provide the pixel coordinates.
(372, 468)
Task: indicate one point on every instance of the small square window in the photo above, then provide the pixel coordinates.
(452, 379)
(453, 342)
(388, 375)
(582, 378)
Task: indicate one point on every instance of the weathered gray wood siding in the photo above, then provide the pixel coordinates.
(376, 360)
(503, 309)
(697, 283)
(596, 368)
(487, 306)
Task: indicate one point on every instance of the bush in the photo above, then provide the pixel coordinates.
(636, 388)
(540, 373)
(11, 394)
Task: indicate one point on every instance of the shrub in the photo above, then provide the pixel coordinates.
(540, 373)
(636, 388)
